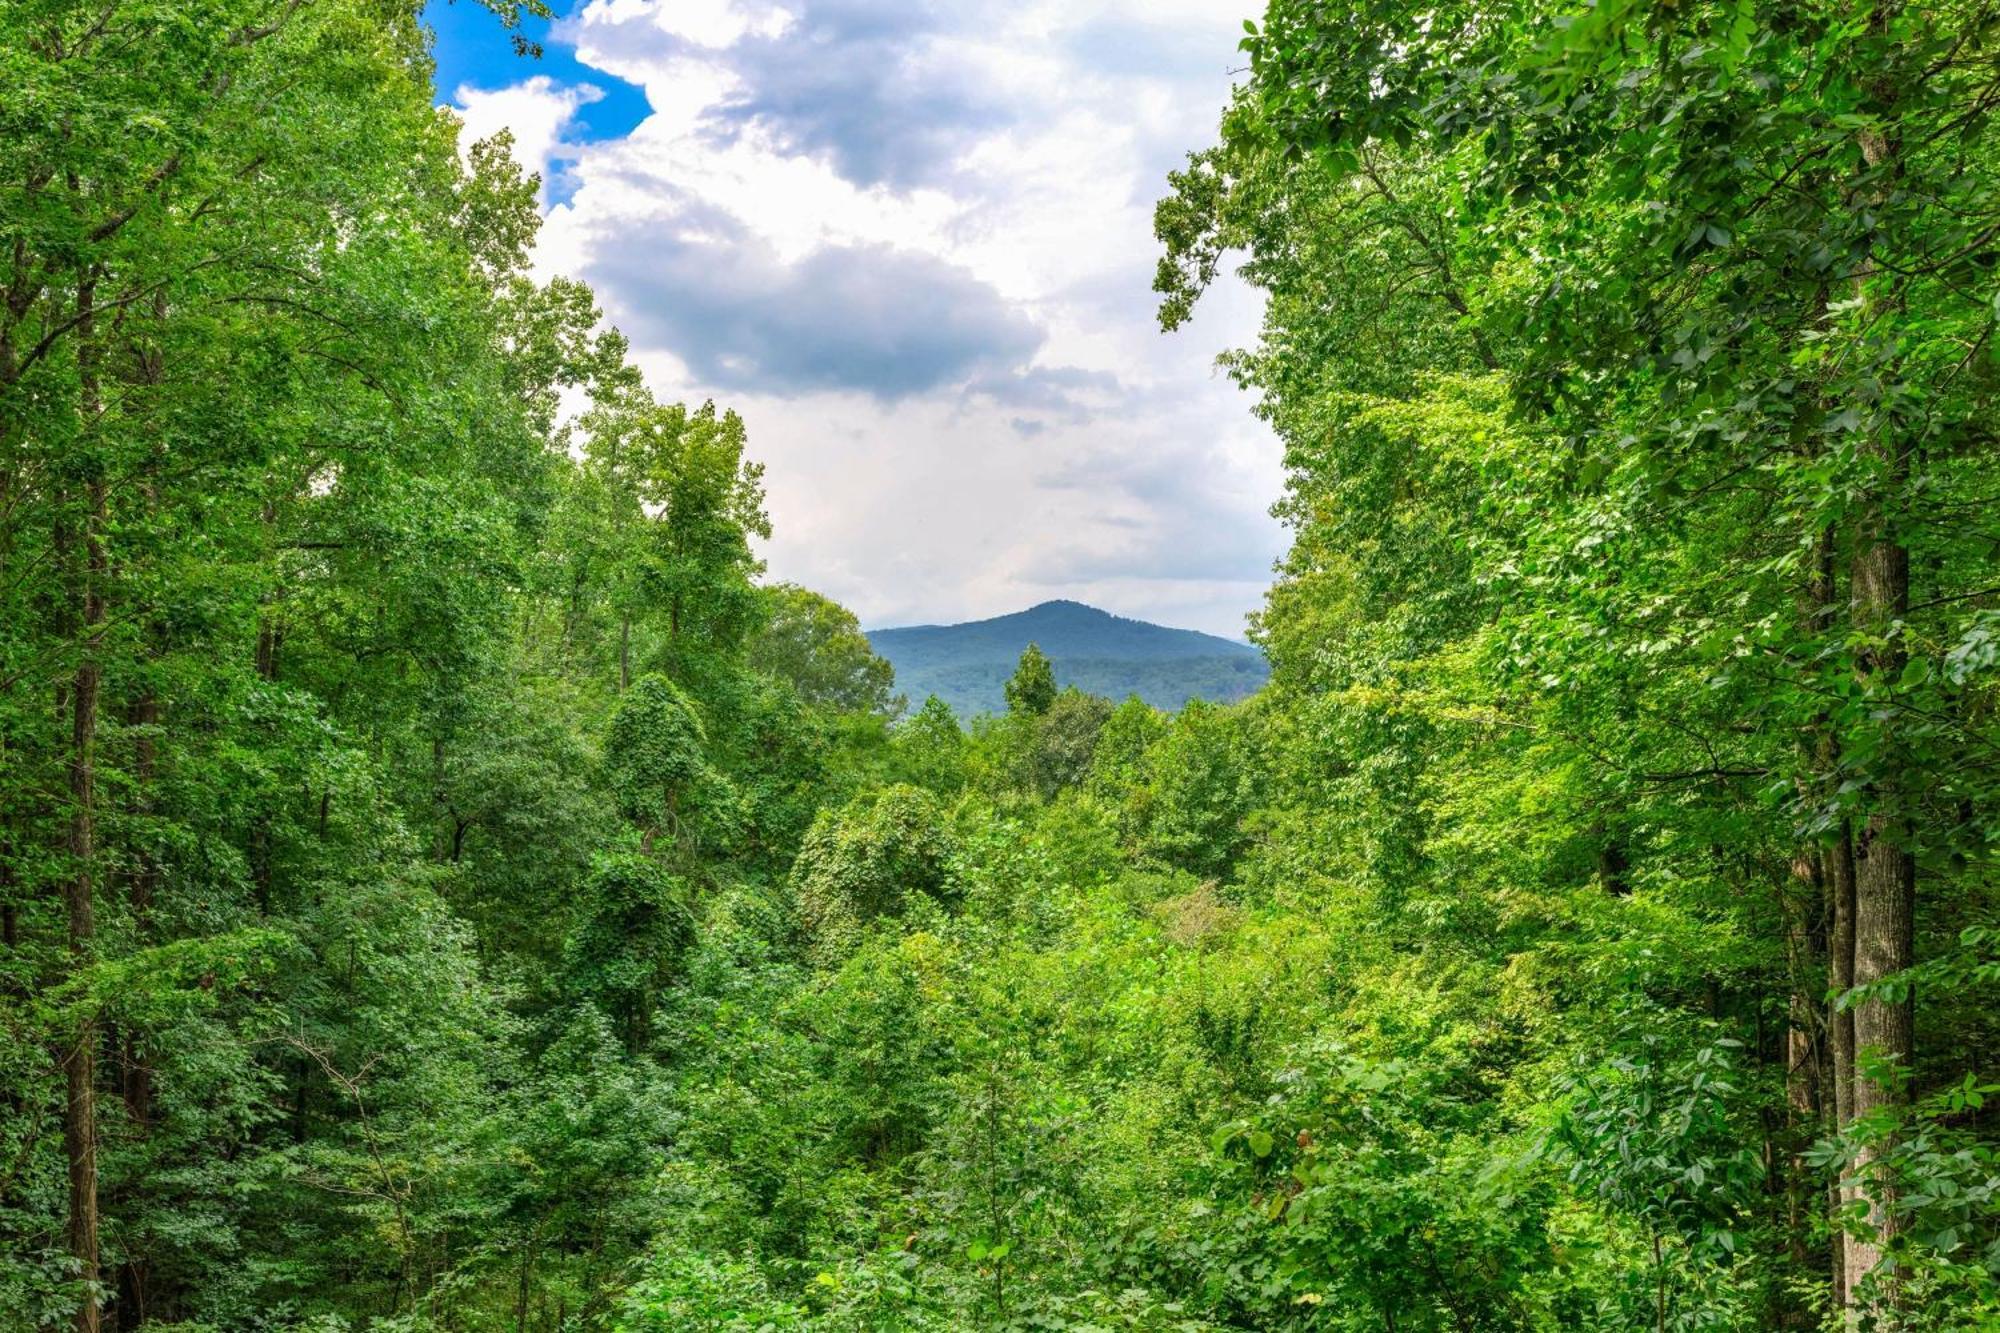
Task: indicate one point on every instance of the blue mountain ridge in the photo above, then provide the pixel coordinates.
(967, 665)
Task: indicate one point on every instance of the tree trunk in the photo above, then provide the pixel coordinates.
(135, 1072)
(270, 638)
(144, 715)
(1885, 871)
(1805, 1053)
(80, 1061)
(1611, 862)
(1839, 861)
(270, 633)
(521, 1296)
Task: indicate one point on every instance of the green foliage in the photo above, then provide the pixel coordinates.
(1657, 1134)
(1032, 687)
(1932, 1166)
(445, 891)
(656, 756)
(702, 1294)
(1629, 489)
(930, 747)
(1200, 786)
(817, 645)
(353, 957)
(1370, 1189)
(870, 860)
(1066, 739)
(631, 928)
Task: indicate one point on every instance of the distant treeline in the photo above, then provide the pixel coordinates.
(973, 688)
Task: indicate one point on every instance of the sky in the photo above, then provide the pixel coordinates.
(911, 243)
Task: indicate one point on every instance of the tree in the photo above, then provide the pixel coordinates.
(1031, 690)
(1201, 784)
(1752, 356)
(634, 925)
(817, 645)
(929, 748)
(1066, 737)
(680, 504)
(656, 755)
(1117, 762)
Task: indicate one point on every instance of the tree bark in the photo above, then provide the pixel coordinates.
(1805, 1052)
(1885, 871)
(80, 1061)
(135, 1081)
(1884, 868)
(1839, 861)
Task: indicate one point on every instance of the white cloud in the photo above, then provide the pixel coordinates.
(537, 111)
(911, 242)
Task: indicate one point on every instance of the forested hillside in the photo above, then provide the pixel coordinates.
(967, 665)
(445, 886)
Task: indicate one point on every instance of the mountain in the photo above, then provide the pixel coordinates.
(968, 665)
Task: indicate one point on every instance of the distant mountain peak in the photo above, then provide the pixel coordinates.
(968, 664)
(1064, 610)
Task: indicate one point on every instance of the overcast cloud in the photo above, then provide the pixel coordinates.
(911, 243)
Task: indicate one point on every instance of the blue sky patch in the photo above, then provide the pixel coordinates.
(473, 48)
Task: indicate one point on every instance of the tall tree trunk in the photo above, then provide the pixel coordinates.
(1839, 862)
(523, 1291)
(1885, 871)
(142, 715)
(270, 632)
(1805, 1053)
(80, 1060)
(136, 1289)
(270, 639)
(135, 1083)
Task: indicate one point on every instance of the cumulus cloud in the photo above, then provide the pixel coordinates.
(537, 111)
(1068, 392)
(871, 318)
(877, 88)
(1156, 525)
(911, 241)
(874, 85)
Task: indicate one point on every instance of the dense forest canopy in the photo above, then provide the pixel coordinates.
(445, 886)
